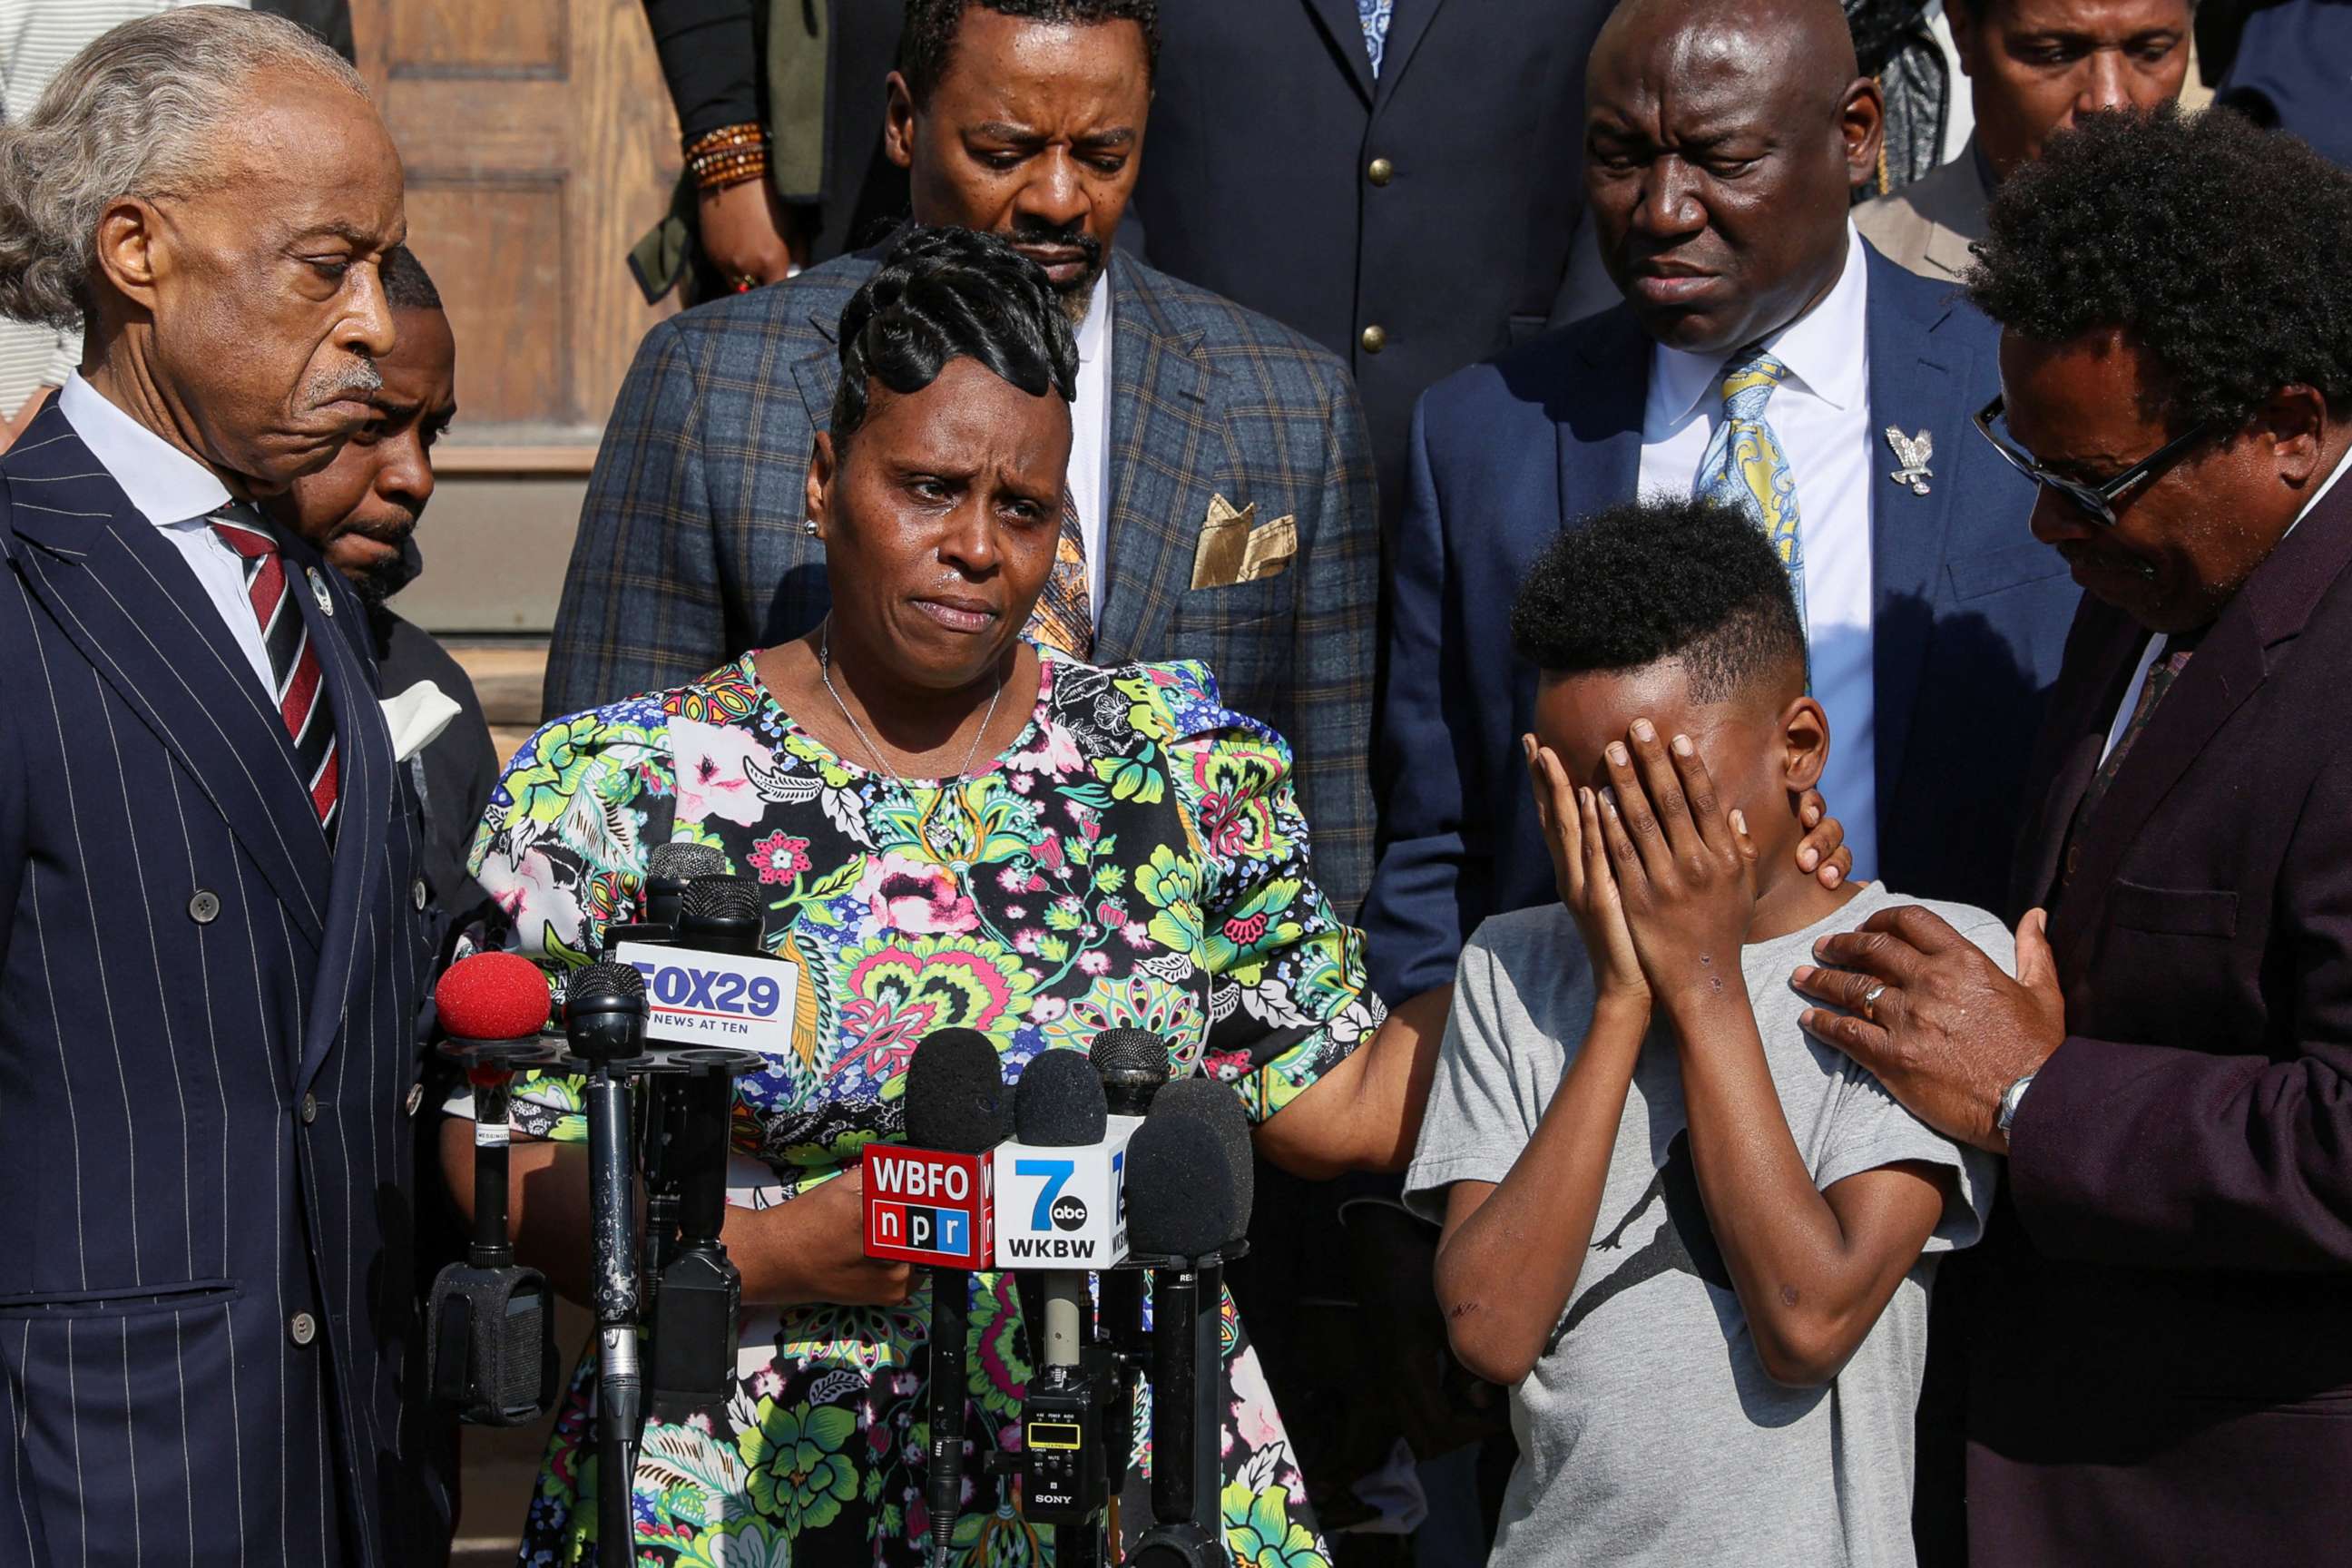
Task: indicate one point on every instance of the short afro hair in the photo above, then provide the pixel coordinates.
(406, 285)
(929, 36)
(2216, 246)
(944, 294)
(1656, 579)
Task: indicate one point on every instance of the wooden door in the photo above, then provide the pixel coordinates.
(540, 144)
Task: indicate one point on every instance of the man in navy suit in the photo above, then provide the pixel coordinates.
(211, 927)
(1766, 355)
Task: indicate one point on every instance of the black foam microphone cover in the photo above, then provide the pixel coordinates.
(1132, 1064)
(1181, 1200)
(1221, 1108)
(1058, 1101)
(956, 1098)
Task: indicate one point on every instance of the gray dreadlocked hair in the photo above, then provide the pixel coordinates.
(134, 114)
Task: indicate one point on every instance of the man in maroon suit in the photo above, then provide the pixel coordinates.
(2159, 1341)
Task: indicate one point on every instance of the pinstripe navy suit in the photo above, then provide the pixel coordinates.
(207, 1041)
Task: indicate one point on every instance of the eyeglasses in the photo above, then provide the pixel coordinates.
(2098, 499)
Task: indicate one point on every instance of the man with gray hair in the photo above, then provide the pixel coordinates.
(211, 938)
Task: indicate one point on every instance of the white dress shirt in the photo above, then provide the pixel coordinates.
(2156, 644)
(178, 495)
(1090, 477)
(1821, 415)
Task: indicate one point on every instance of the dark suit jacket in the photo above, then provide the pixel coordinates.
(690, 549)
(2161, 1343)
(207, 1039)
(1265, 123)
(1971, 614)
(453, 776)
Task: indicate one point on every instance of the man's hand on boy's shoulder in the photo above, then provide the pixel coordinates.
(1936, 1019)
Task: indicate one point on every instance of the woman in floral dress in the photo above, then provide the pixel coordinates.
(953, 825)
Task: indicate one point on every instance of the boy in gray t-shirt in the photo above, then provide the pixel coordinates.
(1695, 1241)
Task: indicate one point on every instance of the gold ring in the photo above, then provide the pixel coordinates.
(1870, 1001)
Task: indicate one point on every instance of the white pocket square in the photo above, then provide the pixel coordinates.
(416, 717)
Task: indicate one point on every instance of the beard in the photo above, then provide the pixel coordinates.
(1077, 299)
(1076, 296)
(379, 578)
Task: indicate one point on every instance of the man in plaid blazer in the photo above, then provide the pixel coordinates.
(1232, 478)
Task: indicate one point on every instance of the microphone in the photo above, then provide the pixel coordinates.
(1189, 1209)
(605, 1022)
(489, 1325)
(1133, 1065)
(700, 1290)
(1221, 1108)
(669, 869)
(1059, 1105)
(956, 1114)
(714, 997)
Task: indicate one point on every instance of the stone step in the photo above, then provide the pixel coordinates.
(508, 674)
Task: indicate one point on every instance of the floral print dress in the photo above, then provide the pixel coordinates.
(1136, 859)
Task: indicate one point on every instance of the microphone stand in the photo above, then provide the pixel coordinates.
(1190, 1393)
(620, 1387)
(943, 1479)
(606, 1032)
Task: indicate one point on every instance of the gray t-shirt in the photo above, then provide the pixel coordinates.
(1649, 1432)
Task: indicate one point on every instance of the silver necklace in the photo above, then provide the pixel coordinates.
(825, 673)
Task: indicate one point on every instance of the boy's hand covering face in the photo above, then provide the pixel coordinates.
(1686, 870)
(1580, 865)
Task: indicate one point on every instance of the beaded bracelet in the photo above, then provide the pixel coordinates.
(727, 156)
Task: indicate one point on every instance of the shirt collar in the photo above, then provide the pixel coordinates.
(1819, 348)
(1093, 333)
(167, 485)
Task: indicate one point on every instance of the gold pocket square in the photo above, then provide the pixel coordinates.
(1235, 549)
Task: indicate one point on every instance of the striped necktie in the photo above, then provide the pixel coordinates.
(1746, 469)
(294, 667)
(1064, 619)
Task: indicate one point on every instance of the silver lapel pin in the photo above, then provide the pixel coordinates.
(1912, 452)
(319, 592)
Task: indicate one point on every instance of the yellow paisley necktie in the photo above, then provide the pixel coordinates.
(1745, 466)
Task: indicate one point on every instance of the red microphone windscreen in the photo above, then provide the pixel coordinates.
(493, 997)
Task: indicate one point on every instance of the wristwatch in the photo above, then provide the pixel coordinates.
(2011, 1098)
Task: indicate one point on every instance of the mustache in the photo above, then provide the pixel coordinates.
(360, 378)
(1066, 236)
